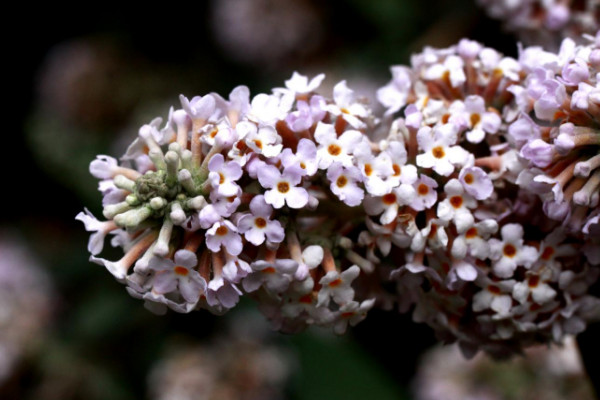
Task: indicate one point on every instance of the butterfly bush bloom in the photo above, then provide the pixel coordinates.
(478, 205)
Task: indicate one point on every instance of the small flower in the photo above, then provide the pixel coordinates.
(275, 276)
(96, 242)
(299, 84)
(256, 226)
(426, 193)
(476, 182)
(178, 274)
(223, 175)
(337, 286)
(351, 313)
(333, 148)
(343, 184)
(456, 206)
(346, 107)
(283, 187)
(439, 152)
(510, 252)
(224, 234)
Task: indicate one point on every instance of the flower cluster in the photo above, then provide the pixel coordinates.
(285, 198)
(234, 196)
(547, 21)
(499, 275)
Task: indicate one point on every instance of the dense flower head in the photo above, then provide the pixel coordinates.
(285, 198)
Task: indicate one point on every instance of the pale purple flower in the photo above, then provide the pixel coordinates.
(263, 140)
(474, 240)
(200, 108)
(283, 187)
(426, 193)
(224, 234)
(344, 184)
(337, 286)
(305, 157)
(346, 106)
(476, 182)
(96, 242)
(456, 205)
(471, 115)
(311, 257)
(393, 96)
(223, 175)
(439, 150)
(178, 274)
(452, 68)
(388, 204)
(275, 276)
(299, 84)
(268, 109)
(333, 148)
(235, 269)
(538, 152)
(535, 285)
(351, 313)
(510, 252)
(103, 167)
(258, 225)
(401, 173)
(494, 296)
(222, 293)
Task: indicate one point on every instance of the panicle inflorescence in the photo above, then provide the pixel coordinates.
(286, 198)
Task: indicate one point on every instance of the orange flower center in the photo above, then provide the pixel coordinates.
(334, 149)
(423, 189)
(475, 118)
(509, 250)
(534, 280)
(494, 289)
(547, 253)
(469, 179)
(182, 271)
(438, 152)
(260, 222)
(471, 233)
(456, 201)
(283, 187)
(341, 181)
(368, 169)
(335, 283)
(222, 230)
(389, 198)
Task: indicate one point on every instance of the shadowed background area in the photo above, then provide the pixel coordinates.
(82, 85)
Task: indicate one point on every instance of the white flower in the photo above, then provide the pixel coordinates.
(224, 233)
(223, 175)
(179, 274)
(439, 152)
(456, 206)
(257, 225)
(299, 84)
(510, 252)
(283, 187)
(333, 148)
(346, 107)
(337, 286)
